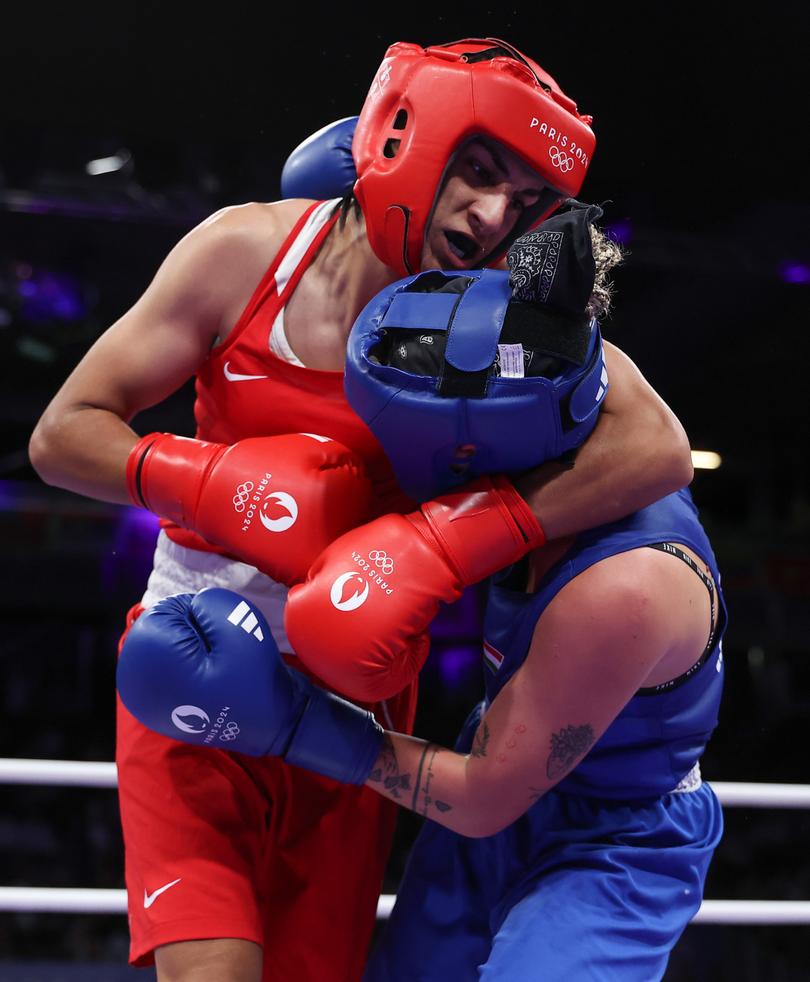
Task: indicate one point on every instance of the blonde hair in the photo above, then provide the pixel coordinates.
(606, 254)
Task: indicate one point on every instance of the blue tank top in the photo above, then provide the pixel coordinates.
(660, 734)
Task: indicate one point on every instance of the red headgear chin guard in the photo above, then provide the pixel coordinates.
(424, 103)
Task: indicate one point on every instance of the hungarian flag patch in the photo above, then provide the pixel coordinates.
(492, 657)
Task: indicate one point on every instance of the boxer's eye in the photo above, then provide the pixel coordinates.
(484, 174)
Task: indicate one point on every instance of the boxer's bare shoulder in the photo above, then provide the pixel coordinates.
(231, 250)
(259, 221)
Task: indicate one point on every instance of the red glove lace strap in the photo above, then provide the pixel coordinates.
(135, 463)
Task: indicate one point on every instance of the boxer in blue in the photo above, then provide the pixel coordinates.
(570, 830)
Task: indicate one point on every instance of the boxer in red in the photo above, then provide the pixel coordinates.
(240, 868)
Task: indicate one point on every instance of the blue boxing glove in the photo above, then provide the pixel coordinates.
(322, 167)
(204, 669)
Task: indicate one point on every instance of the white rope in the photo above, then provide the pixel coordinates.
(749, 795)
(85, 901)
(753, 912)
(100, 774)
(63, 900)
(103, 774)
(78, 773)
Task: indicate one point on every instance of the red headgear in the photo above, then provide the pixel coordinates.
(424, 103)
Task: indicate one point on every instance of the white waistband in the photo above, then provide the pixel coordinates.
(178, 569)
(690, 782)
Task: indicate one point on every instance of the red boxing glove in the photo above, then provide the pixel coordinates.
(360, 620)
(275, 502)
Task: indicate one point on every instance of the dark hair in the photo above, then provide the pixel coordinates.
(347, 204)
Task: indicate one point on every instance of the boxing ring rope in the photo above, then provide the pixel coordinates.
(58, 773)
(101, 774)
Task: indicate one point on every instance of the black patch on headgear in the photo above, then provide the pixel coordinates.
(553, 264)
(552, 272)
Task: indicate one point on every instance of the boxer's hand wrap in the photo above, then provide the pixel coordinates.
(204, 669)
(275, 502)
(360, 620)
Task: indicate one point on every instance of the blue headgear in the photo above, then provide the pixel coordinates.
(458, 376)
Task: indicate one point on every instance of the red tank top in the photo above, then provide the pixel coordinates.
(244, 390)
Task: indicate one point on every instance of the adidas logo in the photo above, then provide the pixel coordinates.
(242, 616)
(603, 386)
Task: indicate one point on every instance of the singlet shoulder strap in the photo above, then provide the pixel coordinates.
(288, 265)
(708, 582)
(674, 550)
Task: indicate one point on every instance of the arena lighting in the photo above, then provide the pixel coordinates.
(46, 295)
(795, 272)
(706, 460)
(108, 165)
(620, 231)
(132, 549)
(458, 664)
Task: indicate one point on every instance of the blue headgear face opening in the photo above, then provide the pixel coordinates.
(456, 377)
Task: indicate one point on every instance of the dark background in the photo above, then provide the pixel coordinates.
(700, 113)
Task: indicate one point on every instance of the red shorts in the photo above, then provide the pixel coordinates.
(223, 845)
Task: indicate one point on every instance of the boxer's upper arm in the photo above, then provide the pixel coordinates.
(637, 453)
(592, 649)
(164, 337)
(628, 387)
(82, 440)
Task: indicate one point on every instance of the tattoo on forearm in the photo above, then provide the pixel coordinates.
(431, 751)
(388, 773)
(479, 747)
(567, 746)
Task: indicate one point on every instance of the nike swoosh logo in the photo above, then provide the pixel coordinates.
(236, 377)
(150, 898)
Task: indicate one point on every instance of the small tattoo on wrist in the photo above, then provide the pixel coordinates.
(388, 773)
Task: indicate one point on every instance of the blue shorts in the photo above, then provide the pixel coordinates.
(579, 888)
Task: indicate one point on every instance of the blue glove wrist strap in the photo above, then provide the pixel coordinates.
(335, 738)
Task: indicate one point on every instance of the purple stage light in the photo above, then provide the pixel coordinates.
(133, 546)
(10, 495)
(144, 523)
(620, 231)
(462, 619)
(45, 295)
(456, 665)
(792, 272)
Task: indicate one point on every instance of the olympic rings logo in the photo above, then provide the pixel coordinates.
(559, 158)
(231, 732)
(240, 499)
(382, 560)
